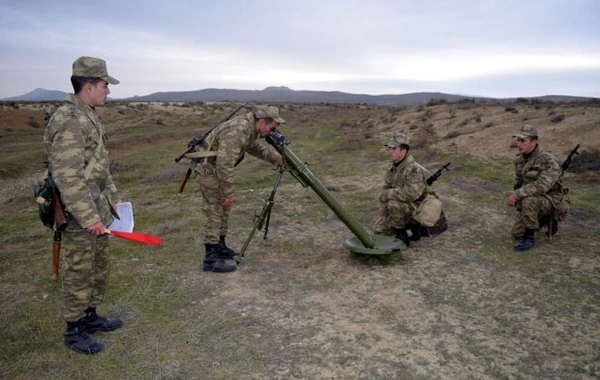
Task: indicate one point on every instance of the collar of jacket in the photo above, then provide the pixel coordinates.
(89, 111)
(398, 166)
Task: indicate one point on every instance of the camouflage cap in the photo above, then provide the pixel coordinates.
(93, 68)
(526, 131)
(263, 112)
(398, 139)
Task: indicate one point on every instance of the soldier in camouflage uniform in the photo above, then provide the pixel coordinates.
(404, 189)
(219, 153)
(537, 190)
(75, 146)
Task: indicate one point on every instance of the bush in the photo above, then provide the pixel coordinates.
(557, 118)
(452, 134)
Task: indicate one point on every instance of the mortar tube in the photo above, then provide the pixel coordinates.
(293, 162)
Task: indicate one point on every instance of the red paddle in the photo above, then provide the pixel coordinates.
(138, 237)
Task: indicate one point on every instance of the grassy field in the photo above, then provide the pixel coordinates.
(462, 305)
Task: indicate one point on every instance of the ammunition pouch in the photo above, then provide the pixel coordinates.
(428, 212)
(563, 208)
(44, 195)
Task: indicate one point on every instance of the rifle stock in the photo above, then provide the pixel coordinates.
(56, 254)
(185, 179)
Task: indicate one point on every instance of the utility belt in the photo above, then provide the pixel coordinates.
(210, 160)
(202, 155)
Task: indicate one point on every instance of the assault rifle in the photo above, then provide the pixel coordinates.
(565, 165)
(197, 141)
(265, 215)
(59, 218)
(437, 174)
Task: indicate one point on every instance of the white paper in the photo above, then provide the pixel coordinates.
(125, 211)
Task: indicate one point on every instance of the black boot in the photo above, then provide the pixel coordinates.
(213, 262)
(528, 241)
(415, 230)
(554, 227)
(92, 322)
(401, 234)
(80, 341)
(225, 252)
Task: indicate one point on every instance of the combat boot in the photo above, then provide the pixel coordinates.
(400, 233)
(92, 322)
(213, 262)
(415, 230)
(78, 340)
(225, 252)
(554, 227)
(528, 241)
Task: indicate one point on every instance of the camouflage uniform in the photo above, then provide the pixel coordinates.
(405, 186)
(75, 142)
(539, 189)
(227, 145)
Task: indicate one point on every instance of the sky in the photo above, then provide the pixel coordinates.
(503, 48)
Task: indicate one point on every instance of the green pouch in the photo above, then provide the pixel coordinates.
(43, 197)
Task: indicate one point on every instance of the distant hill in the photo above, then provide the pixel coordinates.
(39, 95)
(287, 95)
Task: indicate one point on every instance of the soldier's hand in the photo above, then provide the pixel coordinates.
(227, 202)
(279, 160)
(511, 201)
(381, 219)
(97, 229)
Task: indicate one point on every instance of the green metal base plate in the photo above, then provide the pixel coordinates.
(384, 245)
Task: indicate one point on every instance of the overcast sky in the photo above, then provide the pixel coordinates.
(503, 48)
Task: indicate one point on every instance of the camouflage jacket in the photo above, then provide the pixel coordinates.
(74, 135)
(539, 173)
(231, 140)
(405, 182)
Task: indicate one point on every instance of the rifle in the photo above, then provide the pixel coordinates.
(437, 174)
(265, 215)
(197, 141)
(60, 223)
(565, 165)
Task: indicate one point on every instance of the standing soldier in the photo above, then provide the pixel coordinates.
(405, 187)
(75, 146)
(220, 152)
(47, 112)
(537, 190)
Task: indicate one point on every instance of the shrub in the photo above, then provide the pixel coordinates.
(452, 134)
(557, 118)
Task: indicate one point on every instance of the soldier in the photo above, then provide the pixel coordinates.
(405, 187)
(75, 146)
(222, 150)
(47, 112)
(537, 190)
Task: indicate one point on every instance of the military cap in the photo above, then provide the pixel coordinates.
(93, 68)
(526, 131)
(398, 139)
(272, 112)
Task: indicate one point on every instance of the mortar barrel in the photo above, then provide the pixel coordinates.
(277, 140)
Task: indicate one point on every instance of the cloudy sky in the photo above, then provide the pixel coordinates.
(497, 48)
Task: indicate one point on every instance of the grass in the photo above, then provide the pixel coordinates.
(461, 305)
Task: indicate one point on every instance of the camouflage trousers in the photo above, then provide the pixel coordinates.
(532, 209)
(216, 217)
(399, 215)
(85, 269)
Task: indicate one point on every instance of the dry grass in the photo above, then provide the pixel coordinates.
(462, 305)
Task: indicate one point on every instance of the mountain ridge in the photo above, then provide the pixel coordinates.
(287, 95)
